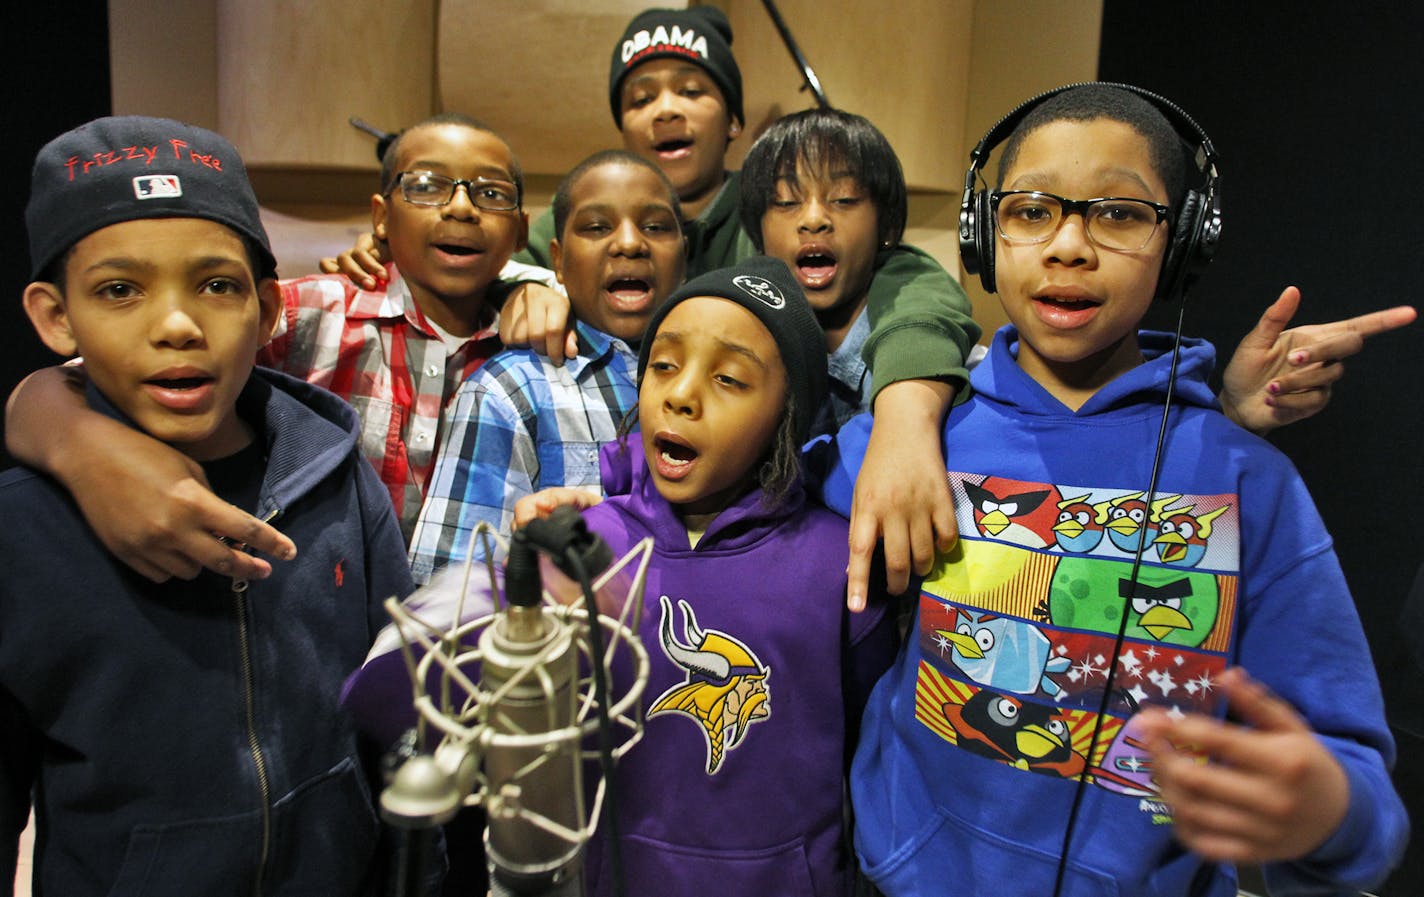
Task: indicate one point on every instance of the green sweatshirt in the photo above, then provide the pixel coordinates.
(920, 324)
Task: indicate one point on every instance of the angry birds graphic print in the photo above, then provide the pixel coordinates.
(1019, 622)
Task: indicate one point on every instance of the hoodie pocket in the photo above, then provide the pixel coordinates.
(675, 870)
(324, 835)
(322, 840)
(210, 856)
(949, 857)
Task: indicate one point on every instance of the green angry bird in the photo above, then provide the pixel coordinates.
(1171, 606)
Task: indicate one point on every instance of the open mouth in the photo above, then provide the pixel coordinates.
(1068, 298)
(179, 383)
(629, 290)
(673, 455)
(815, 266)
(456, 249)
(1067, 304)
(1066, 311)
(676, 148)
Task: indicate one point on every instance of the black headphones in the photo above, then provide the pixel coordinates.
(1195, 230)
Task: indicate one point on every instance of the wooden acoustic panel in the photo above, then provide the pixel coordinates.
(291, 72)
(905, 66)
(536, 71)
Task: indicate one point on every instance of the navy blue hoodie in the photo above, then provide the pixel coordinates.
(184, 738)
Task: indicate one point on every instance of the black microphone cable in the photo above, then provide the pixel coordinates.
(1082, 784)
(605, 725)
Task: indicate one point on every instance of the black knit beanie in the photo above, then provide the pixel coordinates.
(700, 34)
(129, 167)
(765, 287)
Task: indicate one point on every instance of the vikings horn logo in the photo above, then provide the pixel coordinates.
(725, 690)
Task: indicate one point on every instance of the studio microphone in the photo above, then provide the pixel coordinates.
(513, 692)
(526, 859)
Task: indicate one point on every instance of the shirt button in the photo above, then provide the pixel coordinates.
(422, 438)
(432, 371)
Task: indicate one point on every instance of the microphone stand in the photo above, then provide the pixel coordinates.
(812, 83)
(384, 138)
(512, 712)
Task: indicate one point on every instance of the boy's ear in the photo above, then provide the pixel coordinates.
(379, 208)
(556, 259)
(523, 239)
(269, 304)
(45, 306)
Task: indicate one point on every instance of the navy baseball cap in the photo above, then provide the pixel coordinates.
(124, 168)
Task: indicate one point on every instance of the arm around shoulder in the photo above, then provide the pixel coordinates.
(920, 320)
(148, 503)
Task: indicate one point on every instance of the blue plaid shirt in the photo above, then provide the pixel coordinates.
(517, 425)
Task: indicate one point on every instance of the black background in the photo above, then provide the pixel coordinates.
(56, 76)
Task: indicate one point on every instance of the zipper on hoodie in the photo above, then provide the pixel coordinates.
(254, 744)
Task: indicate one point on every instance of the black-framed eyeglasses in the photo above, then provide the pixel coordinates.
(1112, 222)
(426, 188)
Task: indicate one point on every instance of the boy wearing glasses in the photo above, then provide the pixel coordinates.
(1102, 691)
(449, 209)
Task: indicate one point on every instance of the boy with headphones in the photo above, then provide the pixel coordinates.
(1072, 710)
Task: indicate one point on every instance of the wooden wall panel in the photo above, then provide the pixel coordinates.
(907, 72)
(164, 60)
(536, 71)
(290, 73)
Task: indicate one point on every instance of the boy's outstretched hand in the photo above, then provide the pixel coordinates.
(1270, 790)
(1279, 376)
(148, 503)
(901, 493)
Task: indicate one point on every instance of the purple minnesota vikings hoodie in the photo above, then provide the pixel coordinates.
(758, 676)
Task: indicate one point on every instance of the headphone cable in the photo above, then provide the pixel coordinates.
(1082, 783)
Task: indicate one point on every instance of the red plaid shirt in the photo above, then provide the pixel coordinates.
(377, 351)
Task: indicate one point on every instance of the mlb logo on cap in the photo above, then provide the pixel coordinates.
(124, 168)
(157, 186)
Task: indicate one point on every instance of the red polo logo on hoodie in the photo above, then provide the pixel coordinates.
(338, 574)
